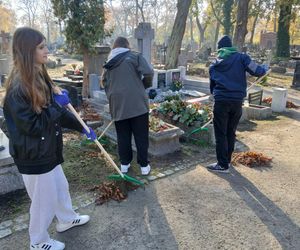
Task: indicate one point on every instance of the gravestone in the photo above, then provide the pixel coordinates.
(144, 35)
(182, 58)
(296, 78)
(97, 60)
(162, 79)
(173, 75)
(10, 178)
(159, 79)
(182, 72)
(279, 99)
(268, 40)
(94, 84)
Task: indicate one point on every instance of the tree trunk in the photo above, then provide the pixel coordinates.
(178, 30)
(136, 13)
(275, 21)
(191, 29)
(85, 86)
(241, 24)
(48, 33)
(283, 36)
(201, 32)
(216, 36)
(227, 8)
(253, 29)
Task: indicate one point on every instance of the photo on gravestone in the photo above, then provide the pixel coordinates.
(175, 76)
(161, 80)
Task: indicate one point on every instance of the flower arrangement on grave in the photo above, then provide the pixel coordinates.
(74, 65)
(157, 125)
(185, 113)
(176, 85)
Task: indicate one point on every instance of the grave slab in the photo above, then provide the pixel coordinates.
(10, 178)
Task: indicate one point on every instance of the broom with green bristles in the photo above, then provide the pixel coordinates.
(120, 175)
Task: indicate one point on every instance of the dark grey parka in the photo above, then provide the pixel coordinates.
(125, 78)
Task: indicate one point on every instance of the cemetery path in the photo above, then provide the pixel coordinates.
(250, 208)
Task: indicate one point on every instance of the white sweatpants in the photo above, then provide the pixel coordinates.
(49, 194)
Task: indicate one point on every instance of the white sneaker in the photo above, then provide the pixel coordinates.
(124, 168)
(51, 245)
(78, 221)
(145, 170)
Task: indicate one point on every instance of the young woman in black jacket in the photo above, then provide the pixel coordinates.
(34, 116)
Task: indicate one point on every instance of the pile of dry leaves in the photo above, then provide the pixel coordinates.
(251, 159)
(87, 113)
(289, 104)
(112, 190)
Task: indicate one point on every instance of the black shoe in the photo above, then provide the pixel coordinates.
(218, 168)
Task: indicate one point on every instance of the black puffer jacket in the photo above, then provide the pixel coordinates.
(35, 140)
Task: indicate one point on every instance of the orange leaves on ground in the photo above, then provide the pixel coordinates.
(289, 104)
(108, 191)
(88, 113)
(251, 159)
(113, 190)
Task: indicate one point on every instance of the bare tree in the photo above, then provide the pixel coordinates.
(198, 12)
(178, 30)
(47, 16)
(29, 8)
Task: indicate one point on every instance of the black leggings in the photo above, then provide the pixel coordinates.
(139, 127)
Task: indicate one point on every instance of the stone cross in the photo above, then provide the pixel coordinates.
(144, 35)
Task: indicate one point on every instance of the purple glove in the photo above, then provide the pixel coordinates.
(63, 99)
(91, 136)
(265, 67)
(64, 91)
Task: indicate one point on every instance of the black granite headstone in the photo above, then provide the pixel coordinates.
(296, 78)
(74, 96)
(161, 80)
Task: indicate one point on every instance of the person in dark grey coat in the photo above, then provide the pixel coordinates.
(126, 75)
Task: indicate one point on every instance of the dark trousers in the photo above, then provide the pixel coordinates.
(138, 127)
(226, 118)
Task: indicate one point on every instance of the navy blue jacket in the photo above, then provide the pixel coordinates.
(228, 76)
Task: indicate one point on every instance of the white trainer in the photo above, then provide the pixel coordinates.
(145, 170)
(124, 168)
(51, 245)
(78, 221)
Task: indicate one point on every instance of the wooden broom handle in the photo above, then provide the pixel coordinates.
(259, 79)
(107, 156)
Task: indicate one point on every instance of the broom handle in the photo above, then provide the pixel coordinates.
(252, 84)
(259, 79)
(111, 122)
(107, 156)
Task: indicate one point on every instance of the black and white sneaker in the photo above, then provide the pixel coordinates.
(51, 245)
(217, 168)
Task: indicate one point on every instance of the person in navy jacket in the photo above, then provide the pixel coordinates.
(228, 85)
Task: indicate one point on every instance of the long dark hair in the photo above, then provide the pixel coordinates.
(26, 77)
